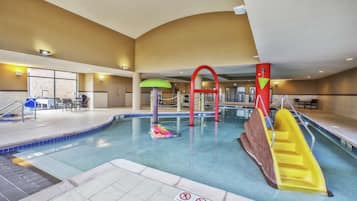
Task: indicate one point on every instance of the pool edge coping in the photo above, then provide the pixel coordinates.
(16, 146)
(332, 136)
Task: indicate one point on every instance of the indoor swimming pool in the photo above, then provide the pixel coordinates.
(208, 153)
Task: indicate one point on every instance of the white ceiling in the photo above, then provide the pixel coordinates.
(136, 17)
(302, 37)
(299, 37)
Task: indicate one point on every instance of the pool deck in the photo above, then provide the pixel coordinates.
(123, 180)
(342, 127)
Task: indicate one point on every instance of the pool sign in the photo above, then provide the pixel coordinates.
(186, 196)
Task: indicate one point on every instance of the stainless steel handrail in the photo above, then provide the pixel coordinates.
(286, 98)
(20, 104)
(7, 106)
(260, 99)
(7, 109)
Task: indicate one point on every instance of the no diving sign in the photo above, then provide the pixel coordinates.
(187, 196)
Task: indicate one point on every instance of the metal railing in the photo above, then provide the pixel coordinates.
(260, 99)
(286, 99)
(14, 106)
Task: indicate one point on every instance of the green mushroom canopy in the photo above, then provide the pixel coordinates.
(155, 83)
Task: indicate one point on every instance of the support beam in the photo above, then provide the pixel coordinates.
(136, 92)
(262, 84)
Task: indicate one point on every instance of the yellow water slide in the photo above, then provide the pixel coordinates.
(295, 166)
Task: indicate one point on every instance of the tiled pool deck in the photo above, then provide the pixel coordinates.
(122, 180)
(342, 127)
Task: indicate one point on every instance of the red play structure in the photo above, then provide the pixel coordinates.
(207, 91)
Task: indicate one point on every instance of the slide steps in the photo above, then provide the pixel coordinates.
(294, 164)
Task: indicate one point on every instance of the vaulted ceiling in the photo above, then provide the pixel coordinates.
(302, 39)
(136, 17)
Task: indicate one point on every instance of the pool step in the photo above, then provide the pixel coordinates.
(279, 135)
(293, 170)
(289, 157)
(292, 184)
(284, 145)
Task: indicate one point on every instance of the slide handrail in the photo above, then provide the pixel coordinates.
(260, 99)
(286, 99)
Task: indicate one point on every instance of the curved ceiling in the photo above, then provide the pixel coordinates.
(136, 17)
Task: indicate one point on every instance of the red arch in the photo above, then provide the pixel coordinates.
(193, 91)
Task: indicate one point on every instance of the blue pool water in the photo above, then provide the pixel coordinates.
(208, 153)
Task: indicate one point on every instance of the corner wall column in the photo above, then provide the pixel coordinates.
(136, 92)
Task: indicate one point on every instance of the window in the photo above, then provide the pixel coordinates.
(50, 84)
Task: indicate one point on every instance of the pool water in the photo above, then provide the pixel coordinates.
(208, 153)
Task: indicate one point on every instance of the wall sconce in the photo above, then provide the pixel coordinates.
(45, 53)
(276, 84)
(101, 78)
(124, 67)
(18, 73)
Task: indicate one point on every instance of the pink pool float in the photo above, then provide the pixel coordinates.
(158, 131)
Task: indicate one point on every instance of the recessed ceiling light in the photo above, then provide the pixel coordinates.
(45, 53)
(256, 57)
(321, 71)
(349, 59)
(240, 10)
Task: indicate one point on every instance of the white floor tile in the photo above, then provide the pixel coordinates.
(203, 190)
(161, 176)
(108, 194)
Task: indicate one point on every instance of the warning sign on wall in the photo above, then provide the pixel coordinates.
(187, 196)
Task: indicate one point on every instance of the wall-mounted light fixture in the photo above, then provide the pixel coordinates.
(45, 53)
(18, 73)
(101, 78)
(240, 10)
(124, 67)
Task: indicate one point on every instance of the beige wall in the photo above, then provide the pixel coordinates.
(217, 39)
(339, 93)
(30, 25)
(295, 87)
(8, 79)
(341, 83)
(115, 86)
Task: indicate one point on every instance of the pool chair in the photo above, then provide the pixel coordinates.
(59, 103)
(314, 104)
(67, 103)
(297, 102)
(84, 101)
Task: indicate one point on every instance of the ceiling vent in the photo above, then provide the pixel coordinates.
(240, 10)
